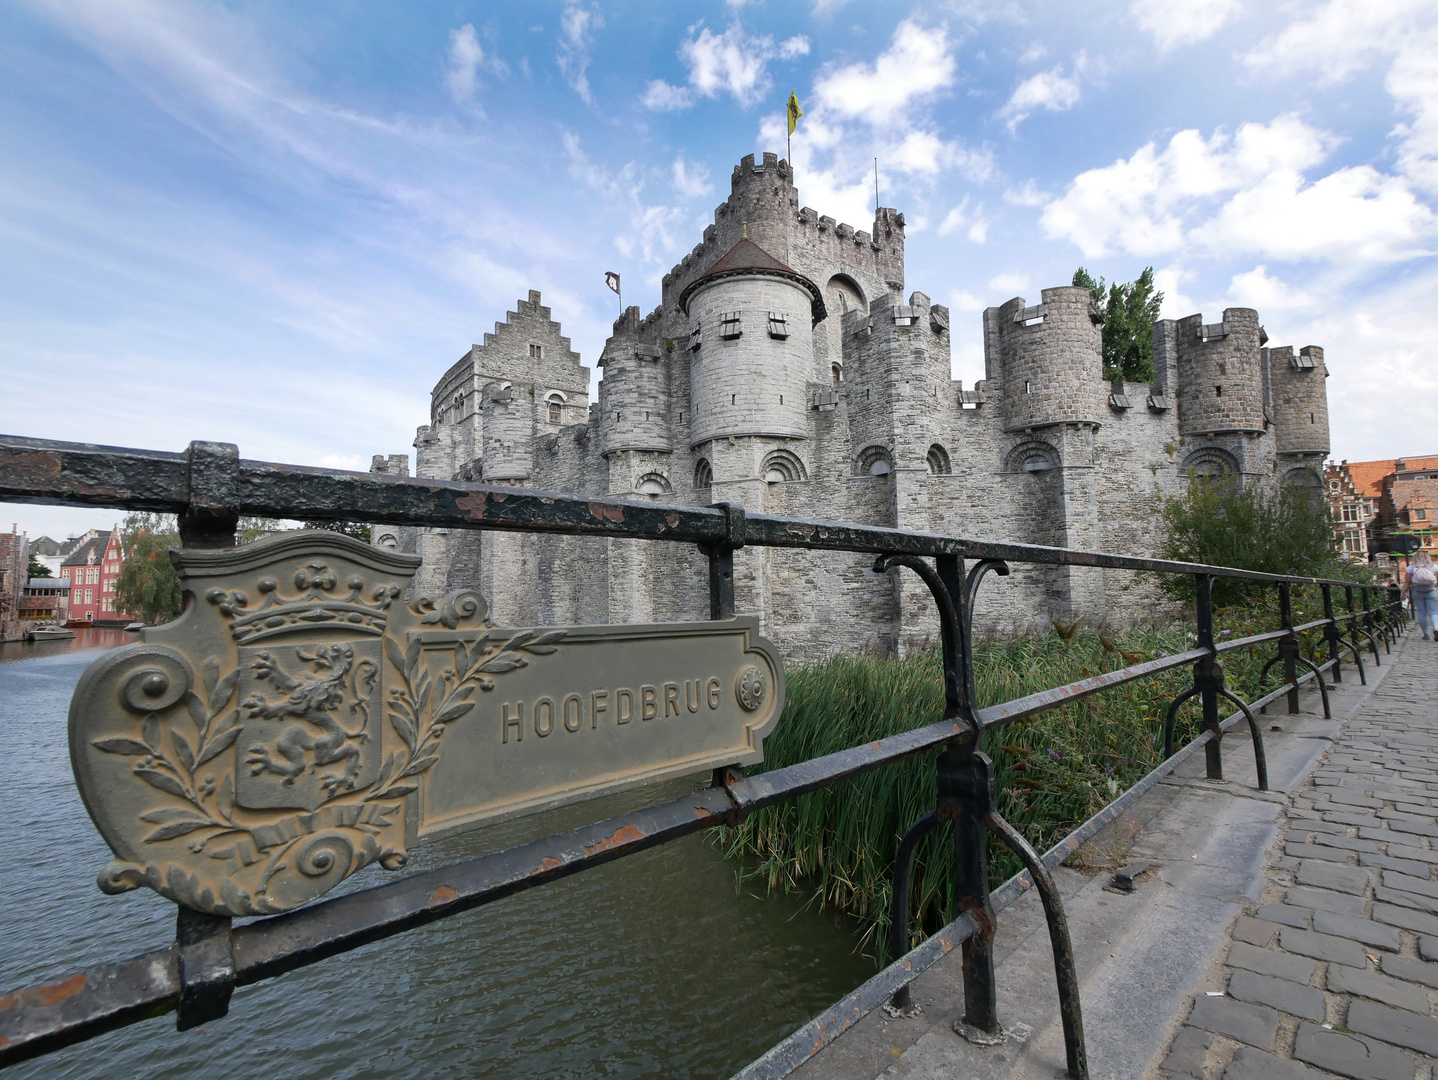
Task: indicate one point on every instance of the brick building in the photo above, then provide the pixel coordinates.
(1384, 501)
(45, 600)
(91, 569)
(14, 573)
(786, 370)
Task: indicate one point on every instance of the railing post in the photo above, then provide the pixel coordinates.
(1330, 633)
(212, 473)
(1205, 677)
(207, 967)
(721, 561)
(965, 781)
(1288, 644)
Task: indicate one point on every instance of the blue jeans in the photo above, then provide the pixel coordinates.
(1425, 609)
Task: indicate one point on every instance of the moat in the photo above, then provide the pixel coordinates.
(653, 966)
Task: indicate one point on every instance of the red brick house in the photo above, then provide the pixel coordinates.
(91, 570)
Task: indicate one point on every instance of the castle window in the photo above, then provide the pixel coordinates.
(730, 326)
(872, 461)
(837, 372)
(733, 399)
(1223, 369)
(780, 466)
(696, 337)
(1218, 391)
(938, 459)
(778, 325)
(703, 474)
(781, 399)
(1026, 386)
(536, 352)
(555, 413)
(1311, 420)
(653, 484)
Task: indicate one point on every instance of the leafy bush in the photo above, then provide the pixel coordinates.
(1220, 523)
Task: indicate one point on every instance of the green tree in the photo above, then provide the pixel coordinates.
(250, 529)
(345, 528)
(38, 569)
(1222, 523)
(148, 585)
(1129, 312)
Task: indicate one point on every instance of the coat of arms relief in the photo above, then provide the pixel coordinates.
(249, 756)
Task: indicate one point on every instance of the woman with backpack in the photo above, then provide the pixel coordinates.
(1422, 582)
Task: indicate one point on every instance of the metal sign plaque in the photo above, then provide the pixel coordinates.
(298, 722)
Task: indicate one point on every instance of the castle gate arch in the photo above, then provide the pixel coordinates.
(1210, 463)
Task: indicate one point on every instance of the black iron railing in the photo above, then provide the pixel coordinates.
(209, 486)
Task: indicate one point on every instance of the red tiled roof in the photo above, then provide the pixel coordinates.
(1368, 475)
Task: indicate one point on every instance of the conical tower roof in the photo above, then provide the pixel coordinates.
(748, 259)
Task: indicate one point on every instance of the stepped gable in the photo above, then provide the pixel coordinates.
(747, 257)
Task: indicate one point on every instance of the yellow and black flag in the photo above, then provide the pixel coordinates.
(794, 111)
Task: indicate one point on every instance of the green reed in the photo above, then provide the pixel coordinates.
(1053, 771)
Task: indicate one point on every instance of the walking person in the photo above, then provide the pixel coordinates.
(1421, 580)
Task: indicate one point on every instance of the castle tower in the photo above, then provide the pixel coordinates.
(751, 341)
(1300, 413)
(1047, 360)
(1220, 393)
(1051, 360)
(508, 426)
(634, 396)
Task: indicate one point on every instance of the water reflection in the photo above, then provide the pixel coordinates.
(651, 966)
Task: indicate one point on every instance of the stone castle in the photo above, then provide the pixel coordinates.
(785, 370)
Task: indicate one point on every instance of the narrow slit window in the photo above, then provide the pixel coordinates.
(1218, 391)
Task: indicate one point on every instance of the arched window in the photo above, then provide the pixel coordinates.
(1032, 457)
(703, 474)
(556, 413)
(387, 541)
(653, 484)
(872, 461)
(938, 459)
(781, 465)
(1210, 463)
(837, 372)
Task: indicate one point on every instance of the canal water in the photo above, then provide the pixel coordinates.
(651, 966)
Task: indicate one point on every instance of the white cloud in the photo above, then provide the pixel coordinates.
(1349, 36)
(1028, 195)
(1182, 22)
(963, 300)
(1051, 90)
(576, 36)
(1014, 283)
(732, 62)
(1169, 281)
(1243, 193)
(465, 56)
(664, 97)
(917, 64)
(1257, 288)
(973, 222)
(691, 180)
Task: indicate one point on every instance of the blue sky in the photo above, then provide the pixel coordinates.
(277, 223)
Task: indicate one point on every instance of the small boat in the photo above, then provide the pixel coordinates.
(135, 627)
(49, 632)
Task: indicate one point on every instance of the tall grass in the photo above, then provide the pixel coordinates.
(1053, 771)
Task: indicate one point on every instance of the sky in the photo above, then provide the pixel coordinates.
(277, 223)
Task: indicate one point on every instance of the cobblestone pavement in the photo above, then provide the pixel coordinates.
(1335, 971)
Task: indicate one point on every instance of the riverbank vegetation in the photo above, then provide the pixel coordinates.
(1053, 771)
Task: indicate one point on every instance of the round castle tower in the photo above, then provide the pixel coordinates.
(1220, 374)
(751, 322)
(508, 421)
(1052, 360)
(1300, 400)
(634, 396)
